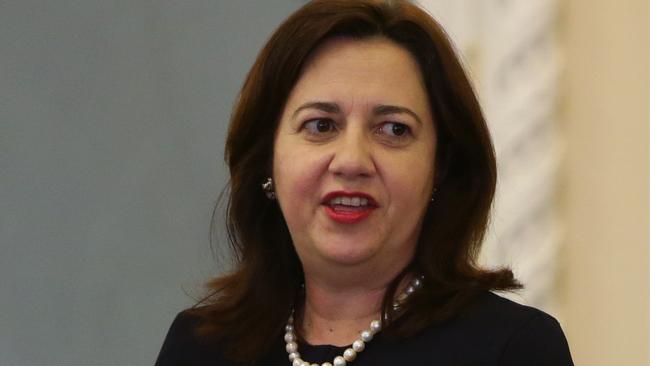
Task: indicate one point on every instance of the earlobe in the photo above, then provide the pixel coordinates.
(433, 194)
(268, 188)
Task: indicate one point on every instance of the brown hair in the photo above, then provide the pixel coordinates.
(247, 308)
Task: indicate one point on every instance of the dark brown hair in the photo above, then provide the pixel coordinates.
(247, 308)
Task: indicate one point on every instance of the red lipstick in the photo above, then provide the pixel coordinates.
(348, 213)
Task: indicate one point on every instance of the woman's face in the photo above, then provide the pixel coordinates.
(354, 156)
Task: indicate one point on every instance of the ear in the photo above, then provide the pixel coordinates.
(443, 161)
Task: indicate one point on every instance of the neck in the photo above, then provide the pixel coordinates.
(335, 314)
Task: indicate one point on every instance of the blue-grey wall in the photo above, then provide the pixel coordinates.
(112, 121)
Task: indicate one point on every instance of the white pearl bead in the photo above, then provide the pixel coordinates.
(293, 356)
(358, 345)
(366, 336)
(375, 326)
(292, 347)
(349, 355)
(289, 337)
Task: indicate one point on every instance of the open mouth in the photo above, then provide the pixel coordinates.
(348, 207)
(349, 203)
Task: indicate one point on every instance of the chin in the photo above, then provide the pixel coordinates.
(348, 254)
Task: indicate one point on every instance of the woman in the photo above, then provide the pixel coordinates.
(362, 175)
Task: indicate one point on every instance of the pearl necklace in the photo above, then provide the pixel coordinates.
(357, 346)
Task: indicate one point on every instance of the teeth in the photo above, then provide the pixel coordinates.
(349, 201)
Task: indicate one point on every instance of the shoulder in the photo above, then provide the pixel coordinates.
(491, 309)
(515, 334)
(182, 346)
(493, 330)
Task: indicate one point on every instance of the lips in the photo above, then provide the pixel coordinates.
(348, 207)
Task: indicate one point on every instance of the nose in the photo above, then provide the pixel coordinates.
(353, 157)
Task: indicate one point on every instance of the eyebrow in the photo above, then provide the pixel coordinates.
(321, 106)
(379, 110)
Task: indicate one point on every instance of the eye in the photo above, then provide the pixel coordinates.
(319, 126)
(394, 129)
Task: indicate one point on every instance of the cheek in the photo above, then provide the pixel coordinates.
(410, 178)
(297, 174)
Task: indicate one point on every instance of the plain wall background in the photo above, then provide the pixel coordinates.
(606, 185)
(112, 122)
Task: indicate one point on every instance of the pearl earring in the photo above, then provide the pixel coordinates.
(268, 188)
(433, 194)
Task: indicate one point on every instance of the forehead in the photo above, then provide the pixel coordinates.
(368, 68)
(347, 46)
